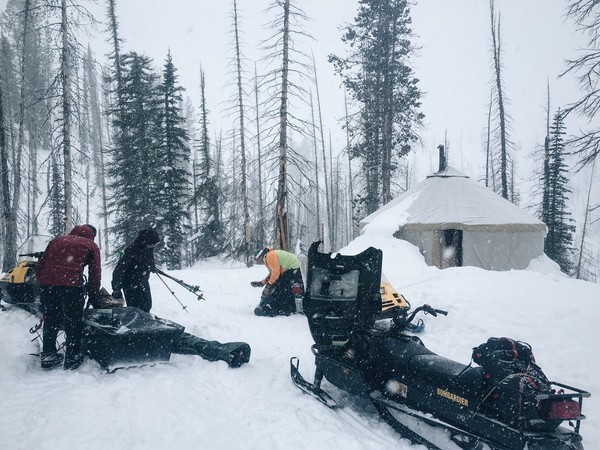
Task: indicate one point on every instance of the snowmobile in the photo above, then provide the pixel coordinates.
(18, 286)
(507, 403)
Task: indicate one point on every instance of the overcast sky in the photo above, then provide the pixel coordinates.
(453, 62)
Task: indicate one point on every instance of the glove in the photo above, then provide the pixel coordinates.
(94, 301)
(256, 283)
(117, 294)
(266, 290)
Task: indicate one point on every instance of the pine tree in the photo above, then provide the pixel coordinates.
(132, 171)
(208, 239)
(173, 157)
(559, 240)
(56, 197)
(379, 77)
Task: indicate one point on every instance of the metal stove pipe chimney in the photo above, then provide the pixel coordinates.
(442, 158)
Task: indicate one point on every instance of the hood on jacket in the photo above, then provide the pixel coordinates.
(85, 231)
(147, 237)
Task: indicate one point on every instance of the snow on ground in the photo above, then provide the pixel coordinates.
(191, 403)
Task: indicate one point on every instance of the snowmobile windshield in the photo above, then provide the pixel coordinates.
(33, 244)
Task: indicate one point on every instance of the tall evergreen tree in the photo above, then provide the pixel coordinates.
(208, 239)
(172, 171)
(56, 197)
(132, 170)
(558, 244)
(379, 77)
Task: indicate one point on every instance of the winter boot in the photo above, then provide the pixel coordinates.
(73, 362)
(238, 356)
(265, 310)
(51, 360)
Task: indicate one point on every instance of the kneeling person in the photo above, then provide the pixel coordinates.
(284, 271)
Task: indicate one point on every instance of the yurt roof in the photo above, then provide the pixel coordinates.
(450, 199)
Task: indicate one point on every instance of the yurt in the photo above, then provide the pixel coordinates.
(455, 221)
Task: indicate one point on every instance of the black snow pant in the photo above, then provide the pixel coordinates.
(139, 295)
(63, 307)
(233, 353)
(281, 298)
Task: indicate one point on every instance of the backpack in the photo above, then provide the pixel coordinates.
(511, 380)
(501, 356)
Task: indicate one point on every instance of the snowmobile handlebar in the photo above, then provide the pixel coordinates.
(402, 321)
(32, 255)
(428, 309)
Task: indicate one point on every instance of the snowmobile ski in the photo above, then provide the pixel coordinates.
(459, 437)
(309, 388)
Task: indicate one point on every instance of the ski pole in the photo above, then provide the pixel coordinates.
(193, 289)
(172, 293)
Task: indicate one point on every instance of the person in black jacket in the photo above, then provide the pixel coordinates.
(133, 270)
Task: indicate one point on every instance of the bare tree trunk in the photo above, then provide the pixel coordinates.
(318, 189)
(282, 230)
(103, 179)
(261, 206)
(11, 210)
(501, 113)
(66, 110)
(546, 169)
(327, 185)
(9, 239)
(114, 32)
(488, 150)
(334, 194)
(243, 168)
(579, 267)
(352, 231)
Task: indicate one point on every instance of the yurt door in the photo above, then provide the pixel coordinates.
(449, 251)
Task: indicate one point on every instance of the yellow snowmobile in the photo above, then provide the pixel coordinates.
(18, 286)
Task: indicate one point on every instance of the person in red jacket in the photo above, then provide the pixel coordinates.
(62, 292)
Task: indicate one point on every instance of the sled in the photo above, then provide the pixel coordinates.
(414, 389)
(128, 337)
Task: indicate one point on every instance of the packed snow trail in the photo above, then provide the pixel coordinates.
(191, 403)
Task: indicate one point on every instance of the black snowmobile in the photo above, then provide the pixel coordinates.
(114, 335)
(504, 403)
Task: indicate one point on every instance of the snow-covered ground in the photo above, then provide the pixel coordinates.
(190, 403)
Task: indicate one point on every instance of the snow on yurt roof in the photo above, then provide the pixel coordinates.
(450, 199)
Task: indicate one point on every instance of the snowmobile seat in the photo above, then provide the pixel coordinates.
(446, 371)
(342, 295)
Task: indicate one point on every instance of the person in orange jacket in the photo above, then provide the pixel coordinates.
(284, 271)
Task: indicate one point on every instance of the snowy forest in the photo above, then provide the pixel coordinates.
(111, 137)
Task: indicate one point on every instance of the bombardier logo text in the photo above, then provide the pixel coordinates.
(450, 396)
